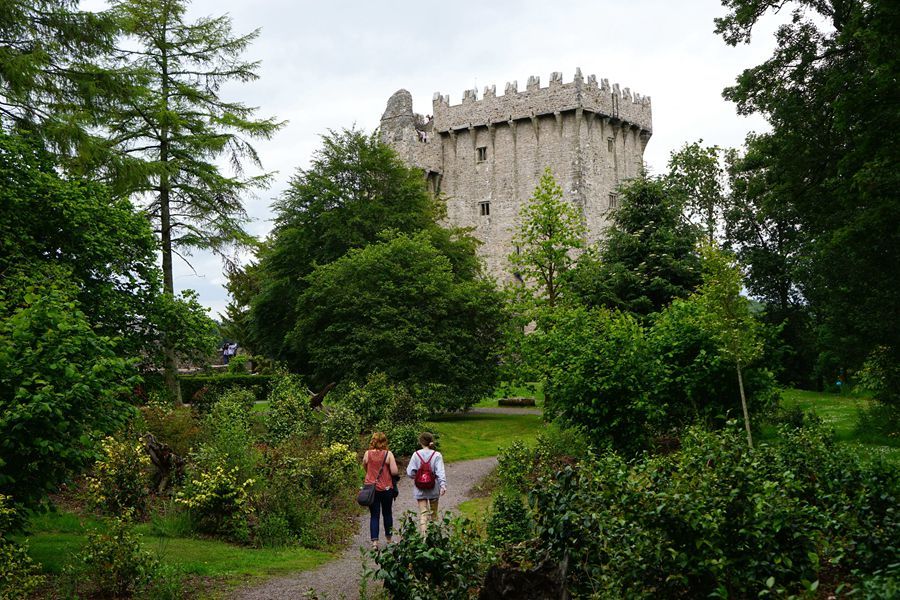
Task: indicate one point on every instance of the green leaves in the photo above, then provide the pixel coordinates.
(61, 386)
(398, 307)
(549, 233)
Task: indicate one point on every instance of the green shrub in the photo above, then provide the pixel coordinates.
(880, 585)
(218, 501)
(403, 438)
(449, 562)
(201, 391)
(289, 411)
(228, 441)
(113, 562)
(239, 364)
(119, 480)
(332, 468)
(273, 531)
(341, 426)
(601, 375)
(19, 575)
(720, 519)
(312, 488)
(697, 381)
(509, 522)
(514, 464)
(177, 427)
(371, 400)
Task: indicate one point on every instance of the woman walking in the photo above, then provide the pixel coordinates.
(426, 469)
(380, 469)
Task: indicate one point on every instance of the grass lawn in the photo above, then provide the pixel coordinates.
(474, 435)
(57, 537)
(840, 412)
(535, 391)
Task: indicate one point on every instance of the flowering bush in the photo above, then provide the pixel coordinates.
(289, 411)
(218, 502)
(332, 469)
(113, 562)
(18, 573)
(119, 482)
(342, 426)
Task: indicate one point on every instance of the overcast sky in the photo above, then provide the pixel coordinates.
(327, 65)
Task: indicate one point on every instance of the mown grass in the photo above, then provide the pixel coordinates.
(478, 435)
(56, 538)
(841, 412)
(535, 391)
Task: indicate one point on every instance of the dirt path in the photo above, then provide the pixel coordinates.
(339, 578)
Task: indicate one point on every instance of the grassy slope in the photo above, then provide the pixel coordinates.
(476, 435)
(840, 412)
(57, 537)
(535, 391)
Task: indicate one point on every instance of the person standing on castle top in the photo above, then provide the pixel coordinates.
(381, 467)
(426, 469)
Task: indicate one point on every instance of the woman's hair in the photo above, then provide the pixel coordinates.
(426, 439)
(379, 441)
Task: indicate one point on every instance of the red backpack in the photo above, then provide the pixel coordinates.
(424, 475)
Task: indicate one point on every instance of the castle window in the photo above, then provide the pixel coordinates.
(484, 209)
(613, 200)
(481, 154)
(610, 144)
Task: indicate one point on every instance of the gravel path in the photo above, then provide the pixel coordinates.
(339, 578)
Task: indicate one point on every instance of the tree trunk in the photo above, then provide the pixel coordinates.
(170, 364)
(744, 405)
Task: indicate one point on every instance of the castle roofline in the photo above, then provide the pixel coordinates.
(589, 95)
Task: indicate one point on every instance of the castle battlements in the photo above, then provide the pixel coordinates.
(589, 95)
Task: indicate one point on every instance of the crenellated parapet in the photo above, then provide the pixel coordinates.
(589, 95)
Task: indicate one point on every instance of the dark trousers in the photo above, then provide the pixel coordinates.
(382, 504)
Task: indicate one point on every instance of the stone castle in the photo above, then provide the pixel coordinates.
(487, 155)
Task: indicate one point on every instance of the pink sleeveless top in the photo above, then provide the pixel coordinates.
(384, 482)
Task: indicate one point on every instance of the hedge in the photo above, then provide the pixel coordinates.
(201, 390)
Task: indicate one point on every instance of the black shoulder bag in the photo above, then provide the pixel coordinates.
(366, 495)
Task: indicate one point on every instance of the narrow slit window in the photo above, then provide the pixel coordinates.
(613, 201)
(484, 209)
(610, 144)
(481, 153)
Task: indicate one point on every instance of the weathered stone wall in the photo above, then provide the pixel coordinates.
(591, 136)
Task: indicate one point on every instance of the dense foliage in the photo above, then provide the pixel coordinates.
(61, 386)
(647, 257)
(399, 307)
(828, 168)
(721, 520)
(355, 188)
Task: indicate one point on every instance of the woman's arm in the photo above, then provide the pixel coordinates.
(439, 471)
(366, 458)
(392, 464)
(412, 466)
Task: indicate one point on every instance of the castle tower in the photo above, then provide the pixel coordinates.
(487, 155)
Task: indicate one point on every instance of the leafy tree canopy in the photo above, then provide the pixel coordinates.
(52, 78)
(550, 232)
(355, 188)
(830, 93)
(397, 306)
(61, 385)
(648, 257)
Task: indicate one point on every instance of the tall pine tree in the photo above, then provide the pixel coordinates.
(171, 135)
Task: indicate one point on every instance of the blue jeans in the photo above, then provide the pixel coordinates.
(383, 502)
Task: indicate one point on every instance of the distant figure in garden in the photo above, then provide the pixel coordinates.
(229, 349)
(426, 469)
(381, 467)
